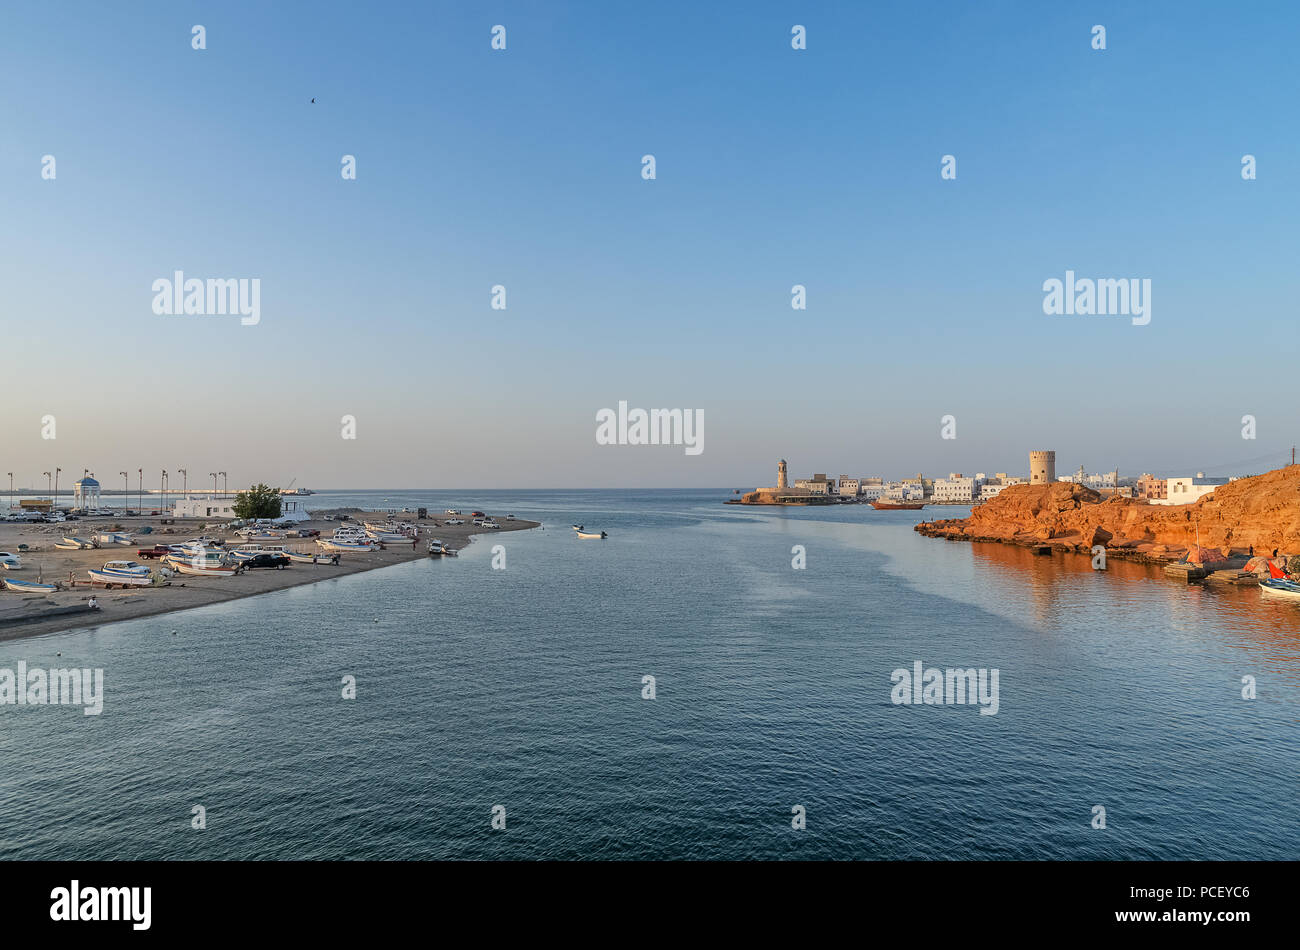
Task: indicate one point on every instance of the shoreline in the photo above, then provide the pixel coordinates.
(24, 615)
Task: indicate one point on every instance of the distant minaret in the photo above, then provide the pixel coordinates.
(781, 481)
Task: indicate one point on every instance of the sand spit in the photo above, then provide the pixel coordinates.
(31, 614)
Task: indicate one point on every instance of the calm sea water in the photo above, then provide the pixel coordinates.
(522, 688)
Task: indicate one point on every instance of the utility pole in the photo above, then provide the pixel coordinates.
(126, 490)
(185, 482)
(164, 489)
(214, 482)
(140, 498)
(11, 491)
(223, 483)
(56, 487)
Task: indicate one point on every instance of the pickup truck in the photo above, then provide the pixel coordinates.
(158, 550)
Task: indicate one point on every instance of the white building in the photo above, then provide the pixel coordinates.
(849, 487)
(955, 488)
(204, 508)
(1187, 489)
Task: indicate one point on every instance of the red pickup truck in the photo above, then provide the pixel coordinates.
(158, 550)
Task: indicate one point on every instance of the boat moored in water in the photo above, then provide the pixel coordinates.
(885, 504)
(590, 536)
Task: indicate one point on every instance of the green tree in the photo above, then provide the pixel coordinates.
(258, 502)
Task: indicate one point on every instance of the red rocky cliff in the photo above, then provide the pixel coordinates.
(1262, 511)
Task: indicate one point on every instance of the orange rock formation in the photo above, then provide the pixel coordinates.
(1262, 511)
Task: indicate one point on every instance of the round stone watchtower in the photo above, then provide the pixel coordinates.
(781, 480)
(1042, 467)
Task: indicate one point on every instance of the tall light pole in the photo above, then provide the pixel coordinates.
(140, 497)
(126, 490)
(11, 491)
(48, 477)
(56, 487)
(223, 484)
(214, 482)
(164, 490)
(185, 482)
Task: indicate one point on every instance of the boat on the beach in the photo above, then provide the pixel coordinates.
(67, 545)
(886, 505)
(329, 544)
(133, 568)
(307, 557)
(197, 559)
(76, 543)
(246, 552)
(110, 579)
(204, 570)
(590, 536)
(29, 586)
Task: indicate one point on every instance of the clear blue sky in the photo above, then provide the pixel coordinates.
(522, 168)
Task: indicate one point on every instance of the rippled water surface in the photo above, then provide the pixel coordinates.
(523, 688)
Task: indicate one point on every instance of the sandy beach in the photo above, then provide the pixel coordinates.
(25, 614)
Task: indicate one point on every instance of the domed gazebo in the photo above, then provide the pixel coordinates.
(85, 493)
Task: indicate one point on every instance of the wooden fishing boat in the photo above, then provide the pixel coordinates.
(342, 546)
(204, 570)
(587, 535)
(110, 579)
(29, 586)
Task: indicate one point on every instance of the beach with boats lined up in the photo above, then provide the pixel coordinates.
(94, 569)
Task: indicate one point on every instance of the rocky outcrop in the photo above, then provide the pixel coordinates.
(1262, 511)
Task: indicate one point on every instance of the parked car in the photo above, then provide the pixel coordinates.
(510, 517)
(11, 561)
(489, 523)
(477, 514)
(277, 561)
(158, 550)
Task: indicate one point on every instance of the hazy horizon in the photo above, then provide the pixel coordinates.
(522, 168)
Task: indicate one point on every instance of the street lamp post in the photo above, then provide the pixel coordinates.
(140, 497)
(223, 484)
(164, 490)
(185, 482)
(126, 490)
(56, 488)
(214, 482)
(11, 491)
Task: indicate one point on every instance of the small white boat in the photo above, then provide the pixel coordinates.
(126, 567)
(331, 545)
(204, 570)
(111, 579)
(590, 536)
(1277, 587)
(77, 543)
(193, 559)
(30, 586)
(67, 546)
